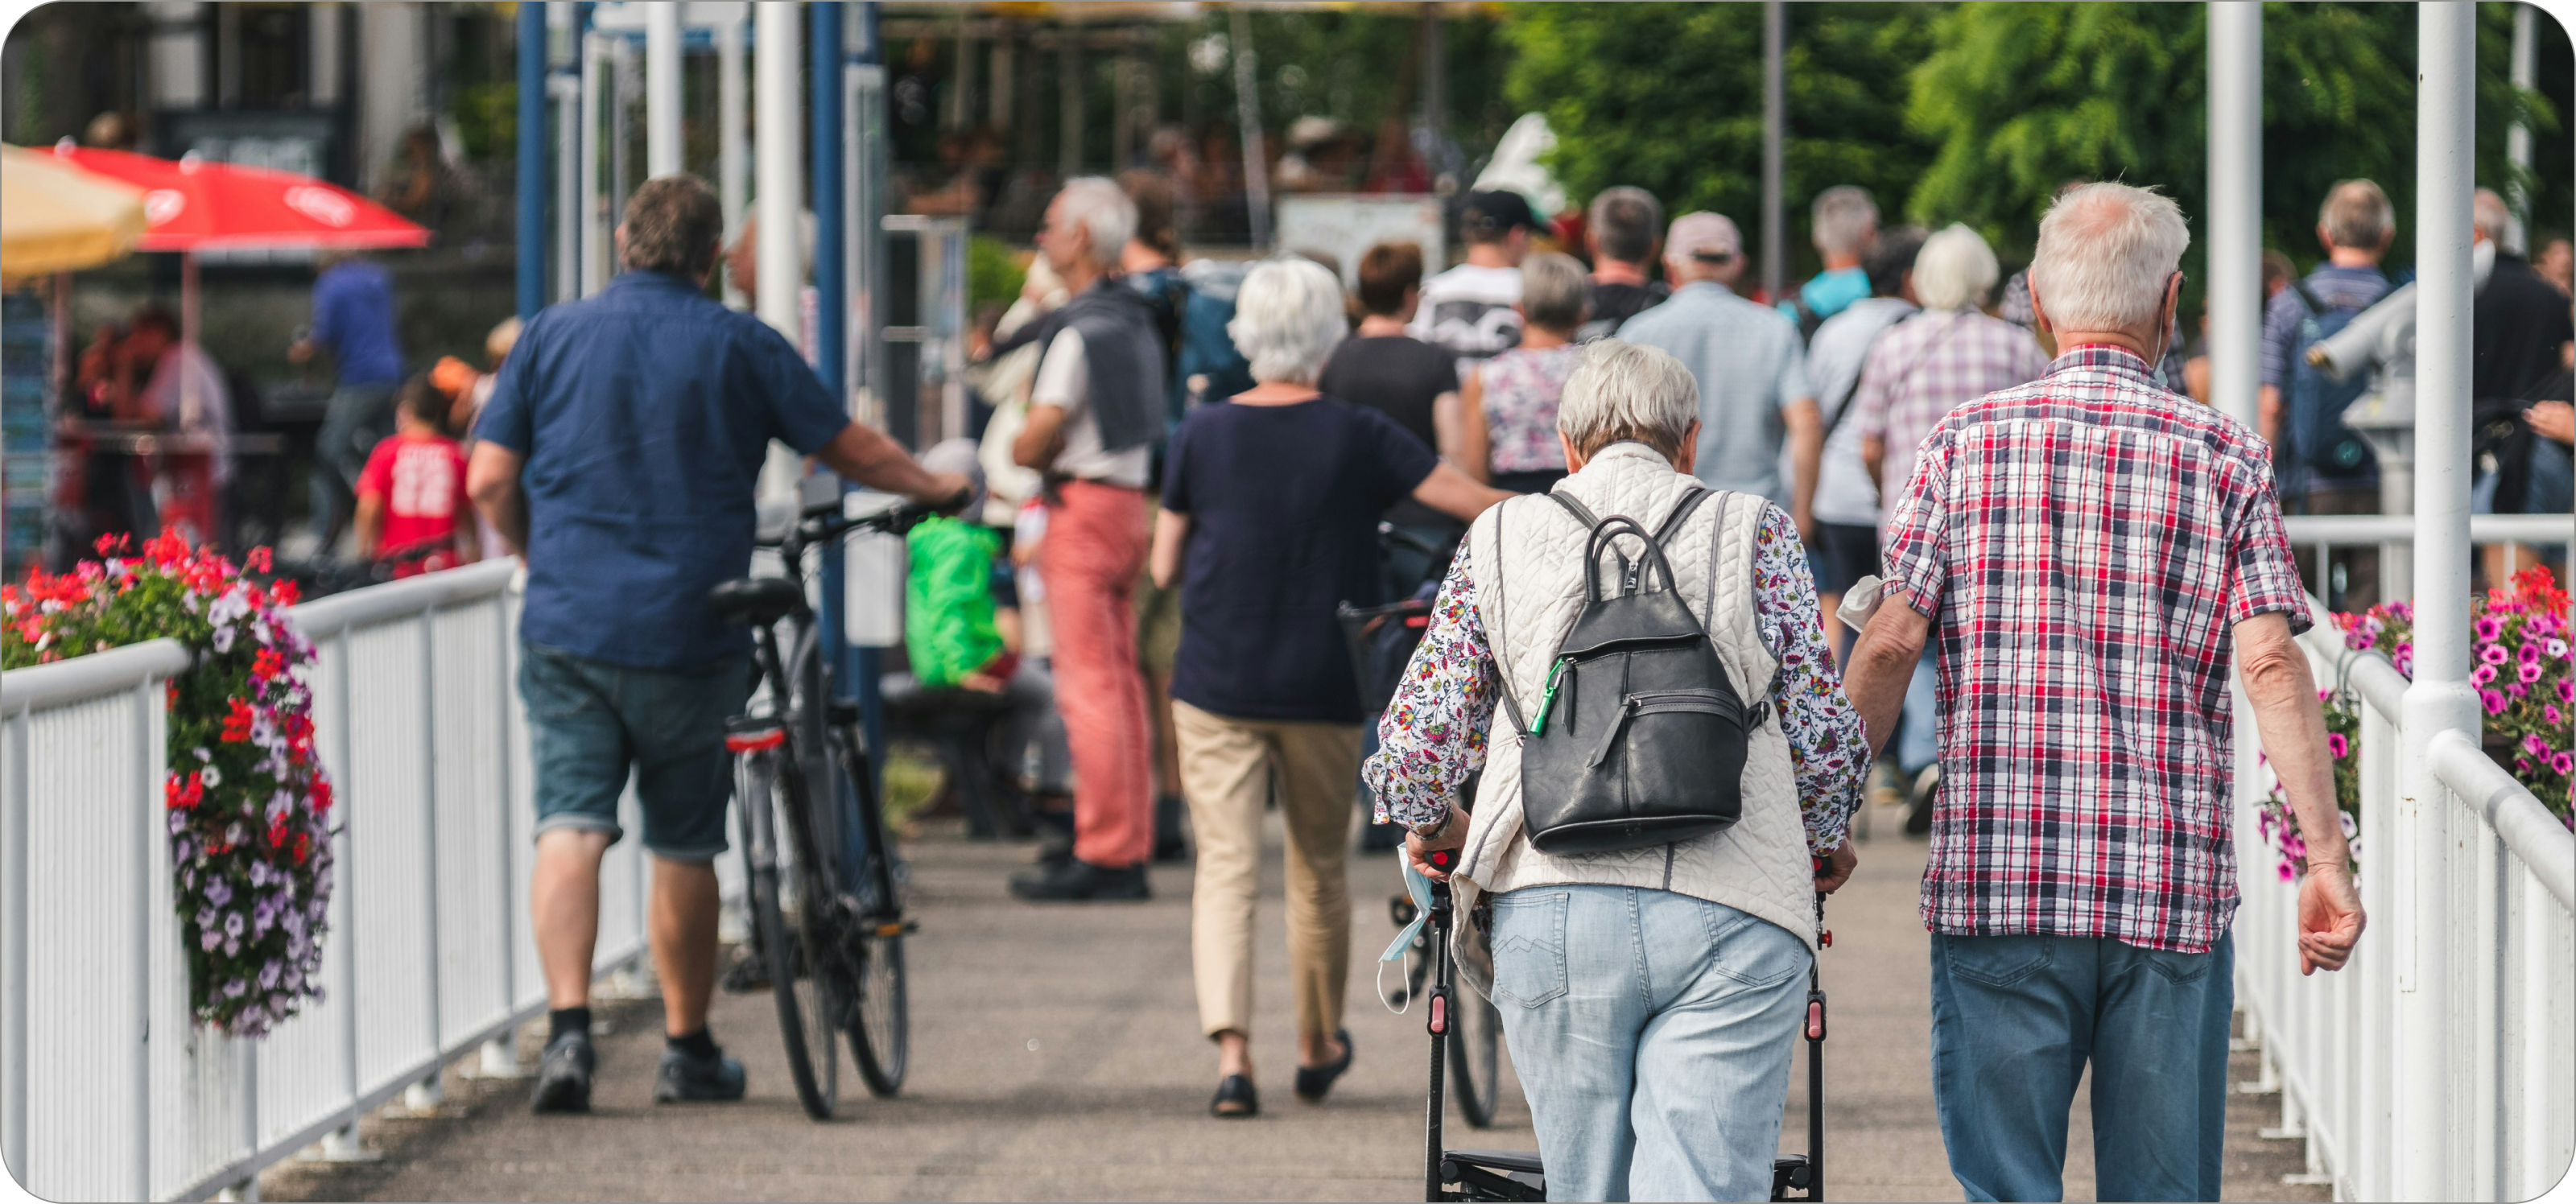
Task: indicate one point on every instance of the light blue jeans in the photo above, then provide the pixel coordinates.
(1652, 1034)
(2014, 1021)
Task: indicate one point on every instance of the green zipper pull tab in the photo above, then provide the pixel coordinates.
(1547, 701)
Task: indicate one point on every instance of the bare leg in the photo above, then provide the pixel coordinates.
(1167, 746)
(1317, 1049)
(1233, 1054)
(683, 932)
(563, 903)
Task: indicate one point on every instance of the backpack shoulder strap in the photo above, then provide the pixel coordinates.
(2308, 297)
(1496, 645)
(1582, 514)
(1672, 523)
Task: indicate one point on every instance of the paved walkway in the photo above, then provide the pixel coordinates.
(1056, 1056)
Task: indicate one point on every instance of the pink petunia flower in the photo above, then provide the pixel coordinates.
(2492, 654)
(2336, 744)
(2562, 763)
(2494, 700)
(2482, 675)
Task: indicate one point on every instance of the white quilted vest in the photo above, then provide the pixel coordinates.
(1528, 556)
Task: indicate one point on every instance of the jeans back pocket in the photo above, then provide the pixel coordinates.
(1529, 946)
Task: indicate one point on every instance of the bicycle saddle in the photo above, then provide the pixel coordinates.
(757, 599)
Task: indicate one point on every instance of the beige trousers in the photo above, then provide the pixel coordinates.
(1225, 771)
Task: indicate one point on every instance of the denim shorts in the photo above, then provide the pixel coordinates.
(591, 723)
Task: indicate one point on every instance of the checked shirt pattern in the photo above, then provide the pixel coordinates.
(2087, 543)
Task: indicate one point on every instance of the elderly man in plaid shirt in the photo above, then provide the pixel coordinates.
(2092, 551)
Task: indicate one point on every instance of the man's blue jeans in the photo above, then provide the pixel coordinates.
(2015, 1019)
(1652, 1033)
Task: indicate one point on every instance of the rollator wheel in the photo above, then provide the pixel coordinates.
(1475, 1057)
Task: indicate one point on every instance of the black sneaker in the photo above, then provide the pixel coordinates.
(563, 1075)
(687, 1079)
(1080, 881)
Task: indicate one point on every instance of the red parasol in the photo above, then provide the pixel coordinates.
(191, 204)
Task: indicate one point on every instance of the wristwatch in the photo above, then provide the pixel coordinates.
(1435, 827)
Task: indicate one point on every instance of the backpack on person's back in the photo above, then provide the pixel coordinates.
(1206, 350)
(2323, 453)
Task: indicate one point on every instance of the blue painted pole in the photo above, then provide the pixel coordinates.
(868, 663)
(831, 278)
(533, 180)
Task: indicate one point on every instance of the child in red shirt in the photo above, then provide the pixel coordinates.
(411, 498)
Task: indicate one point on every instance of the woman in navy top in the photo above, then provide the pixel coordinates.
(1270, 510)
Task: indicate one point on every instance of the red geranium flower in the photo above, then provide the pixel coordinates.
(237, 723)
(265, 664)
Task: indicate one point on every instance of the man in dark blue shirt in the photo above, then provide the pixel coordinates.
(619, 455)
(353, 319)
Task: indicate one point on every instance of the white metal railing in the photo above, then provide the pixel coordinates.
(2504, 939)
(109, 1091)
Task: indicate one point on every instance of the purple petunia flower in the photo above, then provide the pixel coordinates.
(268, 975)
(219, 892)
(232, 923)
(208, 938)
(235, 989)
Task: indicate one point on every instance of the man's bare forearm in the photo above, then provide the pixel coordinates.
(1882, 663)
(868, 457)
(2293, 725)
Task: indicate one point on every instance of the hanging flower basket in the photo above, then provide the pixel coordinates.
(2520, 664)
(247, 799)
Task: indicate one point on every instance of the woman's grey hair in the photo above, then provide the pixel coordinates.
(1627, 391)
(1553, 292)
(2105, 253)
(1954, 269)
(1100, 206)
(1288, 317)
(1844, 220)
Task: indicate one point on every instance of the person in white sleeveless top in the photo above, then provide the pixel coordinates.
(1650, 997)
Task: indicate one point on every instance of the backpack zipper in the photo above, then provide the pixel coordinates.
(1547, 701)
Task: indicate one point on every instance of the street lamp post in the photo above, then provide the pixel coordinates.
(2425, 1118)
(2235, 207)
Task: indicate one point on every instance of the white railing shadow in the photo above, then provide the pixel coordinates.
(107, 1091)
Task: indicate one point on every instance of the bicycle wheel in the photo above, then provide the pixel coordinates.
(779, 914)
(1475, 1056)
(880, 1021)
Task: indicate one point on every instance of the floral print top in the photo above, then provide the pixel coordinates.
(1522, 386)
(1433, 734)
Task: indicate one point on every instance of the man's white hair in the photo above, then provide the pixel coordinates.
(1845, 220)
(1099, 206)
(1625, 390)
(1954, 269)
(1288, 317)
(2487, 213)
(2105, 253)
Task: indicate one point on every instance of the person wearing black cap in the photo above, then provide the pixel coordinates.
(1467, 310)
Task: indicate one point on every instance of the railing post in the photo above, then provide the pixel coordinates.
(2235, 206)
(345, 1144)
(425, 1095)
(149, 835)
(13, 948)
(2428, 1112)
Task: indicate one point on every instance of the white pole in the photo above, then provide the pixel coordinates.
(2427, 1114)
(661, 89)
(780, 162)
(2517, 137)
(1247, 102)
(2235, 206)
(733, 166)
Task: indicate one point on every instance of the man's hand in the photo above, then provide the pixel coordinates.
(2330, 919)
(865, 455)
(2555, 420)
(1839, 865)
(1449, 837)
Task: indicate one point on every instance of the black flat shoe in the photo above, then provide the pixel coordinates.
(1314, 1081)
(1236, 1098)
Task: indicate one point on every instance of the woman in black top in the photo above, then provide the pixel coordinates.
(1416, 384)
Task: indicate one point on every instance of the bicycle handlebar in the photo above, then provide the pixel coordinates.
(825, 520)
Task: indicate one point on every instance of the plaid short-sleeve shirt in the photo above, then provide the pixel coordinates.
(2087, 543)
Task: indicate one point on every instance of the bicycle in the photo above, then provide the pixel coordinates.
(828, 933)
(1520, 1175)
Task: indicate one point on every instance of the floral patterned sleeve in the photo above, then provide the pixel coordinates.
(1826, 743)
(1433, 734)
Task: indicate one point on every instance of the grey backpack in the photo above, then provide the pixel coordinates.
(1639, 735)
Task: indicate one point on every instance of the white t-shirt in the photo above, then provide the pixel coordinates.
(1467, 312)
(1834, 358)
(1064, 381)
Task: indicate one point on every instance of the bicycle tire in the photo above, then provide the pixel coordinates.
(1475, 1057)
(880, 1017)
(803, 1007)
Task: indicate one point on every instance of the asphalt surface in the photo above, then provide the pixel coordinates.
(1056, 1056)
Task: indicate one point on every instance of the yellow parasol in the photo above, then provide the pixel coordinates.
(55, 217)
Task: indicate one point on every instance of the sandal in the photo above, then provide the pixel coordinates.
(1314, 1081)
(1236, 1098)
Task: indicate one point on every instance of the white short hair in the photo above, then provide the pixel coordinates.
(1098, 205)
(1288, 317)
(2487, 212)
(1625, 390)
(1954, 269)
(1844, 220)
(2105, 253)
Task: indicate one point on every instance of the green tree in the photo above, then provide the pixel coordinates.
(1668, 97)
(2023, 97)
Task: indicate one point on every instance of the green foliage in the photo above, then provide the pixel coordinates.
(993, 273)
(487, 120)
(1668, 97)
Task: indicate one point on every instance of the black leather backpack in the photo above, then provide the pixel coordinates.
(1638, 737)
